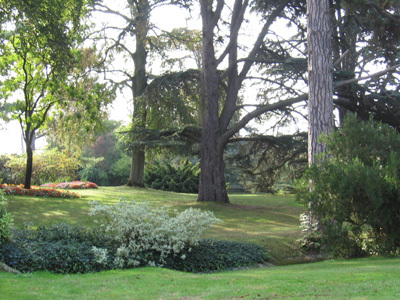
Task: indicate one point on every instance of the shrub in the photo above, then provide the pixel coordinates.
(355, 192)
(67, 248)
(48, 166)
(6, 219)
(164, 176)
(60, 249)
(211, 256)
(148, 236)
(94, 174)
(120, 170)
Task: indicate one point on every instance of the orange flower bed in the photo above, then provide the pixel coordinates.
(36, 191)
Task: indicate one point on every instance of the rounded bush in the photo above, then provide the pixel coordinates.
(355, 193)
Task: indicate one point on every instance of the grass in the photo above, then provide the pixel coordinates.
(354, 279)
(271, 221)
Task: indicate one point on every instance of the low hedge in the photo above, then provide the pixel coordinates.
(212, 256)
(64, 248)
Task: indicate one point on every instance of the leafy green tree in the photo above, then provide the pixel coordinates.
(82, 114)
(39, 54)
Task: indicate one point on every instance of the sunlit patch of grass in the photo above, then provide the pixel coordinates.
(267, 220)
(354, 279)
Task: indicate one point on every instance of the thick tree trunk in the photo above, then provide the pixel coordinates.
(212, 180)
(139, 84)
(320, 101)
(212, 177)
(137, 168)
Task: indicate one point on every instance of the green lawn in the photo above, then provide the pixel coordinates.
(271, 221)
(354, 279)
(267, 220)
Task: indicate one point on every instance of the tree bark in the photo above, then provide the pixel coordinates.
(320, 98)
(139, 84)
(29, 136)
(212, 179)
(8, 269)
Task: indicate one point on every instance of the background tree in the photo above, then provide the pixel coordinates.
(135, 27)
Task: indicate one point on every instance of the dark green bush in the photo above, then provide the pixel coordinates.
(164, 176)
(6, 219)
(59, 249)
(68, 249)
(94, 174)
(211, 256)
(355, 192)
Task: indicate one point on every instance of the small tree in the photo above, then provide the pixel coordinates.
(38, 55)
(357, 186)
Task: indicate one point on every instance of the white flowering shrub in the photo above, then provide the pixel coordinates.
(142, 231)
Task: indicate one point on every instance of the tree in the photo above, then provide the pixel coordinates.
(136, 29)
(83, 114)
(217, 113)
(320, 79)
(366, 34)
(40, 53)
(136, 20)
(217, 110)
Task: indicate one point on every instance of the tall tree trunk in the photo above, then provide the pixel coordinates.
(212, 180)
(212, 177)
(139, 84)
(320, 101)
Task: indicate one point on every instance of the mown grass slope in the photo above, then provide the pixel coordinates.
(267, 220)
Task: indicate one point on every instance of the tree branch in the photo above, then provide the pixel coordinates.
(258, 112)
(260, 39)
(377, 74)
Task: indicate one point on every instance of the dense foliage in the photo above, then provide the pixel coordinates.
(52, 165)
(140, 231)
(210, 255)
(6, 219)
(104, 161)
(59, 249)
(355, 190)
(64, 248)
(165, 176)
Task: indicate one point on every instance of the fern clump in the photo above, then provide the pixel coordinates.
(164, 176)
